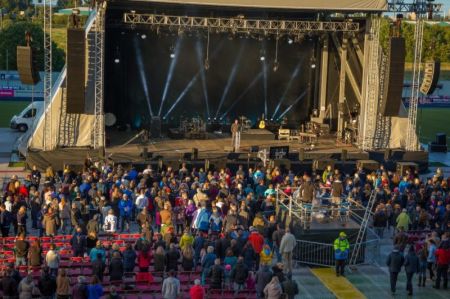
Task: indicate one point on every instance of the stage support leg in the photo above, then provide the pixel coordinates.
(341, 110)
(323, 79)
(365, 82)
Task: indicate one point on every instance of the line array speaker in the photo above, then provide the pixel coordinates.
(431, 77)
(26, 65)
(76, 70)
(394, 74)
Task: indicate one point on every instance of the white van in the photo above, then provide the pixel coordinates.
(28, 116)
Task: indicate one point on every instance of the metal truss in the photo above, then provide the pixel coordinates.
(47, 138)
(372, 92)
(98, 140)
(417, 6)
(239, 25)
(412, 143)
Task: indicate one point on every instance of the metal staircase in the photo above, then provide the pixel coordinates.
(362, 229)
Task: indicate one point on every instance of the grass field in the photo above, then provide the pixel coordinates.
(59, 36)
(429, 120)
(8, 109)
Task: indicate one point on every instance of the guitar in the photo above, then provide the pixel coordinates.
(262, 123)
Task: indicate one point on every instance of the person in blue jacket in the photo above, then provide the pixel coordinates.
(202, 222)
(125, 208)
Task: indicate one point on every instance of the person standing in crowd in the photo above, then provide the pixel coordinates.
(78, 243)
(217, 275)
(395, 261)
(79, 290)
(62, 285)
(197, 291)
(129, 259)
(403, 220)
(126, 208)
(21, 250)
(95, 289)
(290, 287)
(47, 284)
(35, 254)
(64, 215)
(52, 260)
(5, 220)
(341, 249)
(22, 221)
(239, 275)
(411, 267)
(431, 259)
(110, 223)
(263, 277)
(235, 136)
(116, 268)
(171, 286)
(50, 223)
(98, 266)
(442, 262)
(287, 246)
(273, 290)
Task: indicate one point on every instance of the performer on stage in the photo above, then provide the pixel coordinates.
(235, 135)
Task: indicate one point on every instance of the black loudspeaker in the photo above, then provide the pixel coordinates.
(187, 156)
(344, 154)
(393, 80)
(369, 165)
(282, 163)
(155, 127)
(431, 77)
(26, 66)
(233, 156)
(195, 153)
(145, 154)
(278, 152)
(441, 139)
(76, 70)
(254, 149)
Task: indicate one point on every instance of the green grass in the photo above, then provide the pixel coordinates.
(59, 36)
(431, 121)
(8, 109)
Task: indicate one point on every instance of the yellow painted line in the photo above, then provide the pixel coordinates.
(339, 286)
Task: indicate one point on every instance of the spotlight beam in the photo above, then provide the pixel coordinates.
(292, 105)
(191, 83)
(230, 80)
(241, 96)
(173, 62)
(202, 76)
(265, 88)
(291, 80)
(143, 76)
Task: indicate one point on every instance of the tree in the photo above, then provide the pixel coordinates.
(14, 35)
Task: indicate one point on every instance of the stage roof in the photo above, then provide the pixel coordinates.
(326, 5)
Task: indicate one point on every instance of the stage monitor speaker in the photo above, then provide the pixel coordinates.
(431, 77)
(402, 167)
(394, 75)
(254, 149)
(278, 152)
(76, 70)
(26, 66)
(155, 127)
(187, 156)
(368, 165)
(145, 154)
(195, 153)
(233, 156)
(441, 139)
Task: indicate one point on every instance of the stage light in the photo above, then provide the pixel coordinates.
(117, 60)
(133, 12)
(143, 36)
(313, 65)
(172, 55)
(262, 58)
(275, 66)
(290, 41)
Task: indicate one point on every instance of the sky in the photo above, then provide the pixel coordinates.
(446, 4)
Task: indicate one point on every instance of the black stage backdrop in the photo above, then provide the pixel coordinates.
(138, 80)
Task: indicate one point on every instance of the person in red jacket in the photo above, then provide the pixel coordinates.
(197, 291)
(257, 242)
(144, 258)
(442, 261)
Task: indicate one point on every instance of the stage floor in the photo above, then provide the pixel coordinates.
(219, 147)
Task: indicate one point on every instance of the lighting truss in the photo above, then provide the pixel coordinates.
(47, 140)
(239, 25)
(418, 6)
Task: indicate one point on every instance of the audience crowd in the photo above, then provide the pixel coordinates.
(222, 225)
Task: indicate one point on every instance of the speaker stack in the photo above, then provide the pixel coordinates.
(26, 65)
(394, 73)
(431, 77)
(440, 145)
(76, 70)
